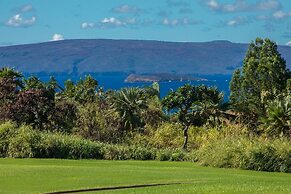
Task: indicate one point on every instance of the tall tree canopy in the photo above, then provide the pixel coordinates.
(193, 105)
(262, 77)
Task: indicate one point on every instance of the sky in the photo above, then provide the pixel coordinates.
(241, 21)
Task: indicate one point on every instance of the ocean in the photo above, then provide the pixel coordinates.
(115, 81)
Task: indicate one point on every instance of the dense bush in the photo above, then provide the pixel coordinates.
(245, 153)
(25, 142)
(119, 152)
(7, 131)
(65, 146)
(172, 155)
(167, 135)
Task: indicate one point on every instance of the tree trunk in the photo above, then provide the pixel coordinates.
(185, 132)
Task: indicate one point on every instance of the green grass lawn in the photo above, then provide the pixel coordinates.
(40, 176)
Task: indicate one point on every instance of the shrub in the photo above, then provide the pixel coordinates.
(163, 155)
(119, 152)
(17, 141)
(7, 130)
(23, 142)
(90, 123)
(251, 154)
(115, 152)
(140, 153)
(178, 155)
(172, 155)
(167, 135)
(65, 146)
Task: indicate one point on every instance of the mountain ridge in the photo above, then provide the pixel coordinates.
(129, 56)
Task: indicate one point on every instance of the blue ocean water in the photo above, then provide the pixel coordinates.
(115, 81)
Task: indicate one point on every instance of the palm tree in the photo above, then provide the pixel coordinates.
(129, 104)
(278, 118)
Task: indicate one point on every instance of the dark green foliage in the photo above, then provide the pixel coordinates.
(193, 105)
(10, 82)
(30, 101)
(64, 116)
(33, 83)
(32, 107)
(277, 121)
(9, 73)
(129, 103)
(262, 78)
(84, 91)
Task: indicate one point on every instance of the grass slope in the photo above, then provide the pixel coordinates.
(39, 176)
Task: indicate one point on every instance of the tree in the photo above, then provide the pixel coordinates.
(27, 101)
(129, 104)
(33, 83)
(9, 73)
(277, 121)
(33, 107)
(10, 83)
(262, 78)
(91, 122)
(64, 115)
(84, 91)
(193, 105)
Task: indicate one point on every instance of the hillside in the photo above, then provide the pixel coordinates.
(129, 56)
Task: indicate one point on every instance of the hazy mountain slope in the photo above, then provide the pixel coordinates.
(98, 55)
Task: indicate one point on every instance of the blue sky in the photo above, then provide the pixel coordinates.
(30, 21)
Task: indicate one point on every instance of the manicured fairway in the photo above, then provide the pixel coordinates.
(40, 176)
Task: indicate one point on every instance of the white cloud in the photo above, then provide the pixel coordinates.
(213, 4)
(23, 9)
(177, 3)
(57, 37)
(268, 5)
(85, 25)
(243, 5)
(177, 22)
(288, 43)
(281, 15)
(232, 23)
(115, 22)
(236, 21)
(169, 22)
(26, 8)
(18, 21)
(110, 22)
(277, 15)
(126, 9)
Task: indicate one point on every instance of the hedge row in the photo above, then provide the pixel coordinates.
(24, 142)
(245, 153)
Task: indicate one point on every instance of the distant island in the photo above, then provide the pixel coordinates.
(161, 77)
